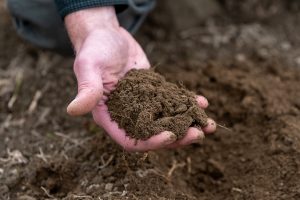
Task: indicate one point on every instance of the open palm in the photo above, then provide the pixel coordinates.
(104, 58)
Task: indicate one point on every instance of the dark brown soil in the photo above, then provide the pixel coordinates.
(145, 104)
(245, 63)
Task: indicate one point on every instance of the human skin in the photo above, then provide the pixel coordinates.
(104, 53)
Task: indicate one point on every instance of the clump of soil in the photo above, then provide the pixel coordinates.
(145, 104)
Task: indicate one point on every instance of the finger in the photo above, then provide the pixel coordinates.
(153, 143)
(202, 101)
(102, 118)
(89, 88)
(193, 135)
(211, 126)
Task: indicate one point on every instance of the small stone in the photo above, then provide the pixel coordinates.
(92, 188)
(297, 60)
(26, 197)
(285, 46)
(234, 189)
(240, 57)
(109, 186)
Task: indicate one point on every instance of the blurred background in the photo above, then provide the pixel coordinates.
(244, 56)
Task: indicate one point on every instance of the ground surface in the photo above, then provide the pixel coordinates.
(245, 60)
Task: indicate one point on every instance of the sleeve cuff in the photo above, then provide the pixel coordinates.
(66, 7)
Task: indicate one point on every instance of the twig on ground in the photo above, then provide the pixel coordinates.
(106, 163)
(135, 197)
(14, 157)
(234, 189)
(43, 116)
(12, 101)
(68, 138)
(47, 193)
(81, 196)
(18, 83)
(142, 159)
(109, 194)
(7, 121)
(143, 173)
(34, 102)
(64, 155)
(41, 155)
(224, 127)
(175, 165)
(189, 164)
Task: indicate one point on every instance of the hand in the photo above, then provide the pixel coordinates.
(165, 139)
(104, 53)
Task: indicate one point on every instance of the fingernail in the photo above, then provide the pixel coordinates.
(172, 138)
(70, 108)
(211, 127)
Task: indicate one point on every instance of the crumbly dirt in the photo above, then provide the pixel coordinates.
(145, 104)
(245, 63)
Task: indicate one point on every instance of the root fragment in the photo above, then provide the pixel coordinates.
(106, 163)
(175, 165)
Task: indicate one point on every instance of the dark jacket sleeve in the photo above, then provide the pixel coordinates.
(68, 6)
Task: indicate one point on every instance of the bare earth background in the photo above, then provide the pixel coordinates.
(244, 58)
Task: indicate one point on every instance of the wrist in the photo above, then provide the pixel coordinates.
(82, 23)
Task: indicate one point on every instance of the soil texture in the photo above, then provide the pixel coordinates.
(145, 104)
(245, 61)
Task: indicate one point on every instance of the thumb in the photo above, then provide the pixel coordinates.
(90, 88)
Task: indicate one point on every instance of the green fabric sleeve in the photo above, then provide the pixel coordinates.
(68, 6)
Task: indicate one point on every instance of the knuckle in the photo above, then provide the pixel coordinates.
(85, 85)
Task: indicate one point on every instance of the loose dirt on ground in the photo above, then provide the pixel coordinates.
(245, 63)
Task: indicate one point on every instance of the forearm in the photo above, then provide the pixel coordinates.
(81, 23)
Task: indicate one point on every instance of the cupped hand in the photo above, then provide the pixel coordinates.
(104, 53)
(165, 139)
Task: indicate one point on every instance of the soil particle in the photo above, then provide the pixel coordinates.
(145, 104)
